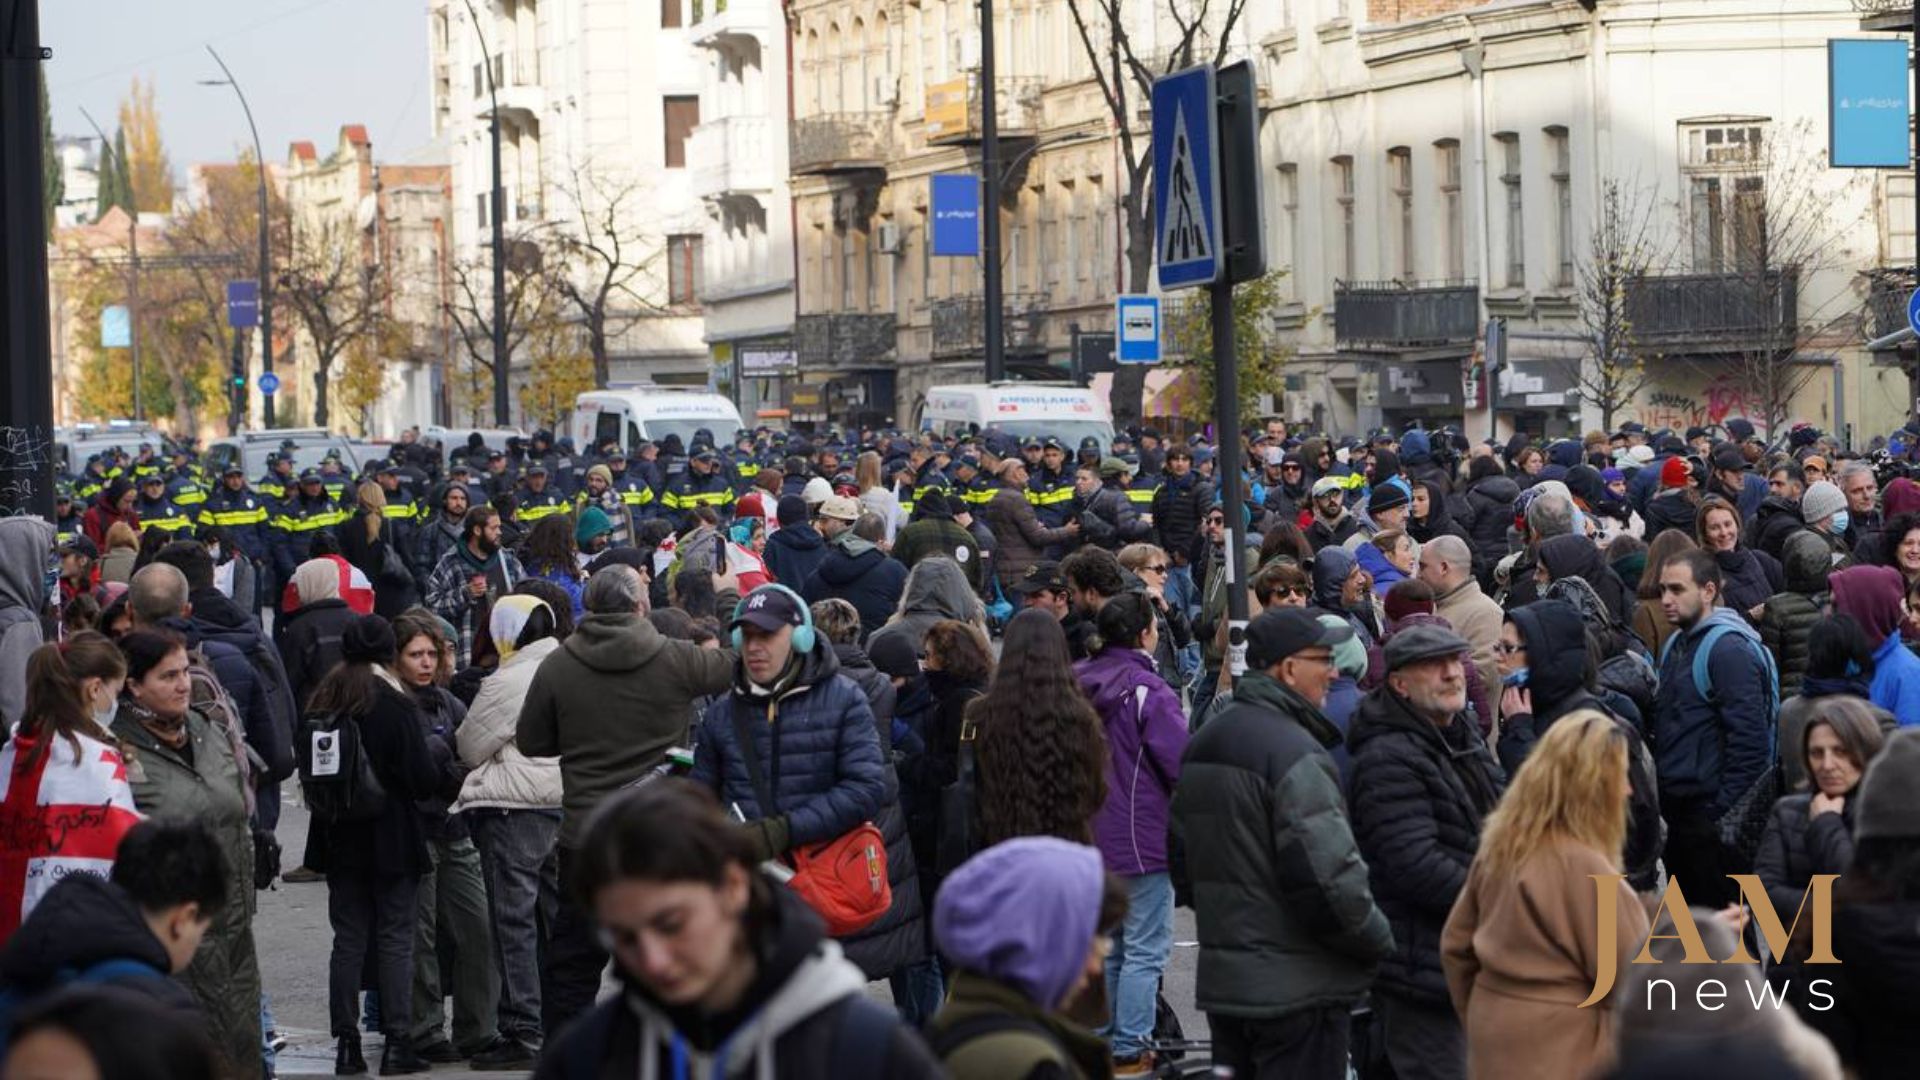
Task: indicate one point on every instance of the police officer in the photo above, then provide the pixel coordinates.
(146, 464)
(334, 478)
(500, 480)
(701, 485)
(1050, 487)
(243, 515)
(159, 512)
(279, 483)
(91, 481)
(66, 515)
(403, 512)
(186, 484)
(303, 515)
(970, 483)
(537, 498)
(636, 494)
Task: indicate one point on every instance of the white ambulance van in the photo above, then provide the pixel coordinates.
(631, 414)
(1021, 409)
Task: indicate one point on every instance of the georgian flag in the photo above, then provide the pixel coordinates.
(63, 814)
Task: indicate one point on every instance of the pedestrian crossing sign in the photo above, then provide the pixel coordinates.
(1186, 178)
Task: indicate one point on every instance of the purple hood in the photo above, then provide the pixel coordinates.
(1146, 734)
(1023, 912)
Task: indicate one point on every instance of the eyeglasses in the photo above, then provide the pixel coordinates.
(1305, 658)
(1216, 519)
(1507, 649)
(1156, 568)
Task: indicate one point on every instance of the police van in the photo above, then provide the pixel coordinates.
(628, 415)
(1021, 409)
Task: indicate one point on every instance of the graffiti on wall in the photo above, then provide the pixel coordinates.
(1720, 399)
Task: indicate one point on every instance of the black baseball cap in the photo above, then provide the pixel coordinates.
(152, 478)
(1044, 574)
(80, 545)
(1275, 635)
(768, 608)
(233, 469)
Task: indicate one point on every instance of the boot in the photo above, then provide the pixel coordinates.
(346, 1057)
(398, 1058)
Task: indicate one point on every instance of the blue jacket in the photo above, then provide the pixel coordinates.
(794, 553)
(871, 581)
(817, 748)
(1707, 753)
(1896, 680)
(1385, 574)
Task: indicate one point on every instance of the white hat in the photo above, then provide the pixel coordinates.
(840, 508)
(816, 492)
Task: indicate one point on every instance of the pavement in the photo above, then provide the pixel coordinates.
(293, 938)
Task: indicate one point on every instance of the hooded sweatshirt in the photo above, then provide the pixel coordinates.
(936, 589)
(25, 546)
(1331, 565)
(1577, 556)
(610, 702)
(1052, 885)
(1872, 595)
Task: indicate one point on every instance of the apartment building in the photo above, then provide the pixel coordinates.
(598, 102)
(1432, 164)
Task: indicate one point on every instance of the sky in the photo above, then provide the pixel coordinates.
(307, 67)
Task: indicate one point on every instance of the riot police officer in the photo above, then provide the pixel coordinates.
(307, 512)
(537, 498)
(157, 511)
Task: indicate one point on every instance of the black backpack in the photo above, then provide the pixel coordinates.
(336, 779)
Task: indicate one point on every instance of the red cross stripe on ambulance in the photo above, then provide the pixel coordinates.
(60, 814)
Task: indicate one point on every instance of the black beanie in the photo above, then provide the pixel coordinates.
(368, 640)
(790, 510)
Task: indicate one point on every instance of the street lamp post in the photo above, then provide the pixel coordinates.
(133, 272)
(990, 218)
(499, 203)
(266, 265)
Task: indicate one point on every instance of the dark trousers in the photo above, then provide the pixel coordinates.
(1423, 1042)
(1309, 1045)
(1696, 859)
(372, 919)
(453, 905)
(517, 852)
(575, 960)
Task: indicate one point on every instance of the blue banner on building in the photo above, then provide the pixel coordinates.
(956, 214)
(1868, 103)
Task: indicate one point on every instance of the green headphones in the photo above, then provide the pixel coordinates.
(803, 635)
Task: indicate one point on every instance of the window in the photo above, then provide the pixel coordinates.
(1516, 220)
(1562, 205)
(1343, 203)
(1896, 210)
(682, 115)
(1290, 225)
(1454, 238)
(1726, 195)
(670, 15)
(1400, 175)
(683, 268)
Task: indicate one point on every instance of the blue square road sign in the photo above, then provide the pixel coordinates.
(1186, 178)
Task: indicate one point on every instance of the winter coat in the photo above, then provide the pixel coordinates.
(1707, 754)
(1796, 846)
(1671, 508)
(1552, 630)
(395, 842)
(1178, 508)
(101, 516)
(392, 593)
(1417, 797)
(1474, 617)
(1777, 519)
(789, 1023)
(310, 645)
(1330, 569)
(1788, 620)
(1651, 625)
(1374, 562)
(440, 714)
(862, 575)
(1039, 1045)
(1439, 520)
(1489, 516)
(216, 619)
(502, 777)
(793, 553)
(1020, 537)
(1877, 941)
(1577, 556)
(203, 785)
(1896, 680)
(87, 921)
(1146, 732)
(899, 938)
(1285, 916)
(1325, 534)
(1748, 578)
(934, 536)
(431, 542)
(609, 703)
(25, 545)
(934, 591)
(1110, 520)
(1521, 950)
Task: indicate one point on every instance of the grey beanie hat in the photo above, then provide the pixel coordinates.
(1822, 500)
(1887, 807)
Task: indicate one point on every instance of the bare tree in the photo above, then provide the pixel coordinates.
(1200, 31)
(610, 265)
(1621, 249)
(529, 298)
(1786, 226)
(332, 288)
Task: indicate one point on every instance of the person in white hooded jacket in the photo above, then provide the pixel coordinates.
(512, 805)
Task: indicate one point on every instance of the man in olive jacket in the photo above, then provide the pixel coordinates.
(609, 703)
(1289, 933)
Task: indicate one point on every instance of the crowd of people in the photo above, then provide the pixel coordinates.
(732, 719)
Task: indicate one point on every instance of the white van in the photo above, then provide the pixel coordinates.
(649, 412)
(1063, 411)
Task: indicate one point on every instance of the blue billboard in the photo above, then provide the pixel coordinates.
(1868, 102)
(956, 214)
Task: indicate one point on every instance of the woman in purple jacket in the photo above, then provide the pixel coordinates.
(1146, 733)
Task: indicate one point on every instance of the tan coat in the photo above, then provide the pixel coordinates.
(1650, 622)
(1520, 952)
(1477, 618)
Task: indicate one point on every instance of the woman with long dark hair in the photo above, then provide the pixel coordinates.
(71, 692)
(551, 554)
(367, 541)
(1042, 755)
(373, 867)
(182, 766)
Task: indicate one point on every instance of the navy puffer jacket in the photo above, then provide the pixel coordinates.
(870, 580)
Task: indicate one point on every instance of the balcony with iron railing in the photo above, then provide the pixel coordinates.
(1888, 290)
(1881, 16)
(838, 142)
(959, 325)
(1724, 312)
(732, 154)
(1399, 315)
(845, 340)
(516, 76)
(955, 112)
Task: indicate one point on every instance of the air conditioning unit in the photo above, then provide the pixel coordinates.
(889, 238)
(886, 90)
